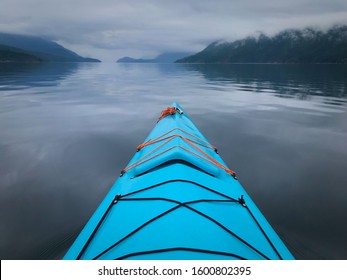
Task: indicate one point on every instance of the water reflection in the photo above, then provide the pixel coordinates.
(299, 81)
(282, 128)
(23, 75)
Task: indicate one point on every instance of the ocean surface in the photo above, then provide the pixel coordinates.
(67, 130)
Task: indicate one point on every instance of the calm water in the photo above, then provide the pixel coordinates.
(67, 130)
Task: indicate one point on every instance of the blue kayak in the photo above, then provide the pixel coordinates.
(177, 200)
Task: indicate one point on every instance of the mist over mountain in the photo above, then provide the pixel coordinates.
(308, 45)
(15, 47)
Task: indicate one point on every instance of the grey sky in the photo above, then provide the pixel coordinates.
(109, 29)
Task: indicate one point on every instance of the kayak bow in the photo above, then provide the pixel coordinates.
(177, 199)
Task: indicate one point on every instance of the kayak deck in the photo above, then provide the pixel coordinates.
(177, 199)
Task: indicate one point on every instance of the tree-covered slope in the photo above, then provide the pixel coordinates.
(308, 45)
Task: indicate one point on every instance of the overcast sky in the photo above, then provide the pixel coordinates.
(110, 29)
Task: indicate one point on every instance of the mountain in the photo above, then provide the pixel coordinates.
(10, 54)
(307, 45)
(127, 59)
(167, 57)
(43, 49)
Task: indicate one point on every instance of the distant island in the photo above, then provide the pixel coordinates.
(167, 57)
(307, 45)
(23, 48)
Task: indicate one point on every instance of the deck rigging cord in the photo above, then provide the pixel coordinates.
(226, 199)
(192, 140)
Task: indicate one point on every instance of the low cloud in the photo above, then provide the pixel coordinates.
(109, 29)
